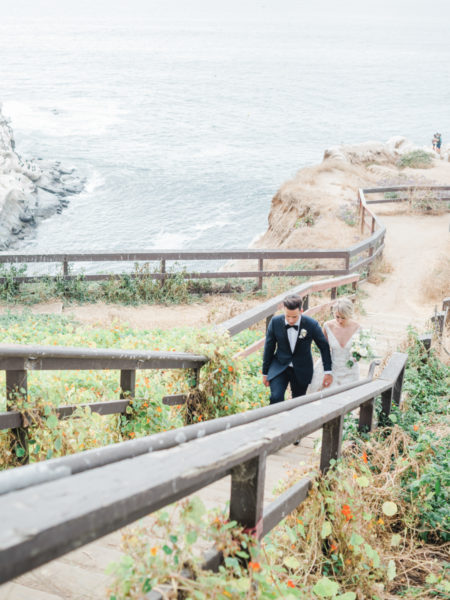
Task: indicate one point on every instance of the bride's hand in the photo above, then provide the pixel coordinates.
(327, 380)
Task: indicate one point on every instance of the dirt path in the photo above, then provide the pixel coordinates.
(415, 246)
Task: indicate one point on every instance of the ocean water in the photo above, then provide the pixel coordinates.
(187, 116)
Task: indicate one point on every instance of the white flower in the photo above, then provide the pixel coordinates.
(302, 334)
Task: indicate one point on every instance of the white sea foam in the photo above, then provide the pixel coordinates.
(65, 117)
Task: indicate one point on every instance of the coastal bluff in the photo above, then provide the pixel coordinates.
(30, 190)
(317, 208)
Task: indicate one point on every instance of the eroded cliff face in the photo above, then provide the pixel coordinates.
(30, 190)
(318, 207)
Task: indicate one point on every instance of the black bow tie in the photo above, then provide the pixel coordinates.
(294, 326)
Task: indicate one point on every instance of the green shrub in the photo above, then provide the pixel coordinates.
(416, 159)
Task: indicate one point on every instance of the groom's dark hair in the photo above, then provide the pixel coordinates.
(292, 302)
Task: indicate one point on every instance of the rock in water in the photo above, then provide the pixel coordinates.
(30, 190)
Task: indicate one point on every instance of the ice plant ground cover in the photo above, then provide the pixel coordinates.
(230, 385)
(376, 527)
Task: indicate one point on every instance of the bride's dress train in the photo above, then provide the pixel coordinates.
(342, 374)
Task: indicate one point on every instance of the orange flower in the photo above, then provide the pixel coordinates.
(145, 404)
(416, 427)
(154, 551)
(158, 409)
(226, 406)
(132, 434)
(220, 370)
(364, 456)
(300, 521)
(290, 583)
(333, 547)
(200, 417)
(293, 546)
(222, 393)
(347, 512)
(255, 566)
(230, 369)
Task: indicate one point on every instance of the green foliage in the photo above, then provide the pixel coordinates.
(10, 288)
(226, 385)
(416, 159)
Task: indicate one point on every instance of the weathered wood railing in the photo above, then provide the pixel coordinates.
(17, 360)
(49, 517)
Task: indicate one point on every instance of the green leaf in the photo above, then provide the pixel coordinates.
(242, 584)
(389, 508)
(49, 454)
(58, 444)
(356, 540)
(147, 586)
(191, 537)
(173, 539)
(291, 562)
(52, 421)
(167, 550)
(242, 554)
(372, 555)
(20, 451)
(396, 539)
(391, 570)
(346, 596)
(326, 530)
(431, 578)
(362, 481)
(325, 588)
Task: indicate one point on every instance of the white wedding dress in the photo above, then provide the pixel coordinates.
(342, 374)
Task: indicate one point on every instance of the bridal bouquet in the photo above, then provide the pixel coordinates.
(361, 347)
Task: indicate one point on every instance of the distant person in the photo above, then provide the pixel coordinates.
(434, 142)
(438, 143)
(287, 358)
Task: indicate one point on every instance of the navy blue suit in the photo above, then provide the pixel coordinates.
(278, 356)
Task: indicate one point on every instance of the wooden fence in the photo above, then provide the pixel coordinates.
(76, 508)
(354, 258)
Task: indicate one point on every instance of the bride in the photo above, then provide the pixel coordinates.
(340, 333)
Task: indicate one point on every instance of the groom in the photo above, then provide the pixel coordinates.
(287, 355)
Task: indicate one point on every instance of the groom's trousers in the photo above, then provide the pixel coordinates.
(279, 384)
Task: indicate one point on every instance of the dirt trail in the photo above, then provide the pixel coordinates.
(415, 245)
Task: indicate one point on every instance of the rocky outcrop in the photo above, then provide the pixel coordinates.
(30, 190)
(373, 152)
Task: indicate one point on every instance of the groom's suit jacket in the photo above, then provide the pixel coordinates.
(277, 350)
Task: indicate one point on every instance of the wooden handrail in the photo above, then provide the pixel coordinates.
(63, 514)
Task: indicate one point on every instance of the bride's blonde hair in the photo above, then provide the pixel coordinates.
(344, 307)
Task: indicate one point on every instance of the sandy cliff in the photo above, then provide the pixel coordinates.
(30, 190)
(317, 208)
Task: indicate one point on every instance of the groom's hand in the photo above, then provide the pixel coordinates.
(265, 381)
(327, 380)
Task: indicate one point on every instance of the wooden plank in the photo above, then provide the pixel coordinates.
(174, 400)
(285, 504)
(10, 420)
(331, 442)
(247, 494)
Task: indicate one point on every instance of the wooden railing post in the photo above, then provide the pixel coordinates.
(363, 216)
(65, 267)
(397, 389)
(333, 293)
(16, 387)
(260, 269)
(163, 271)
(366, 416)
(305, 302)
(127, 383)
(247, 494)
(331, 442)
